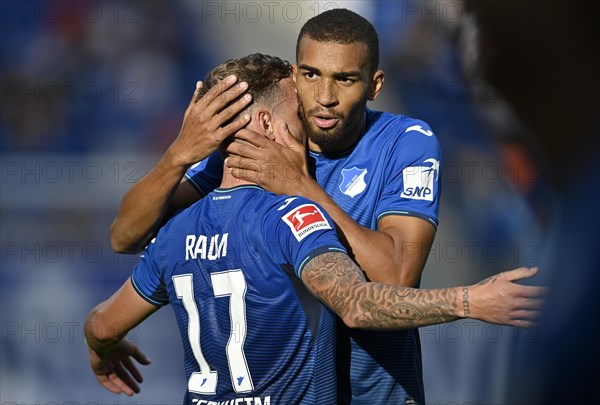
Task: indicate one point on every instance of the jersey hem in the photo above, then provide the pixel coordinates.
(144, 296)
(194, 184)
(244, 186)
(317, 252)
(430, 220)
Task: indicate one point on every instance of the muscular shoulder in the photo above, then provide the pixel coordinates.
(287, 207)
(391, 128)
(400, 139)
(297, 216)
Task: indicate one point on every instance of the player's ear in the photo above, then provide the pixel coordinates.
(376, 84)
(294, 71)
(265, 123)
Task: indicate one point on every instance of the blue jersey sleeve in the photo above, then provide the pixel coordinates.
(206, 175)
(413, 183)
(147, 279)
(301, 230)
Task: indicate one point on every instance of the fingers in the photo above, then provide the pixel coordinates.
(235, 126)
(133, 370)
(125, 381)
(139, 356)
(253, 138)
(519, 274)
(243, 150)
(242, 163)
(527, 291)
(289, 139)
(234, 109)
(244, 169)
(525, 315)
(105, 381)
(194, 97)
(218, 89)
(528, 303)
(250, 175)
(221, 94)
(114, 383)
(521, 323)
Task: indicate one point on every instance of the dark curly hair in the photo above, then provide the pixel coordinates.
(261, 72)
(343, 26)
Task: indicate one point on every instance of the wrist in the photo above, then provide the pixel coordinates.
(308, 187)
(473, 303)
(465, 302)
(92, 350)
(101, 348)
(173, 160)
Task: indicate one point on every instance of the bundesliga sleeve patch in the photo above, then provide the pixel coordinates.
(418, 180)
(304, 220)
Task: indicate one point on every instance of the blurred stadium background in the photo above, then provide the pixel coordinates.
(92, 92)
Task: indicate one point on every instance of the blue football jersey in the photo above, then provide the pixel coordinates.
(230, 266)
(394, 169)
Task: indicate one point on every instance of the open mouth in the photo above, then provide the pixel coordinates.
(325, 121)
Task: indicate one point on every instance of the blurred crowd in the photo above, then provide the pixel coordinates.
(96, 75)
(92, 93)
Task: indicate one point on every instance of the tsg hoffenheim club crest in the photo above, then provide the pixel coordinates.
(353, 181)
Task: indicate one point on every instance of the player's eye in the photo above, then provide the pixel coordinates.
(345, 80)
(310, 75)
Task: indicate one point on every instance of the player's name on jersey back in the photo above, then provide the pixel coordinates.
(205, 247)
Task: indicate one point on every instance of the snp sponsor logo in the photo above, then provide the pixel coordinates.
(418, 180)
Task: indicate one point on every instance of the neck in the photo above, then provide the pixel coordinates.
(229, 181)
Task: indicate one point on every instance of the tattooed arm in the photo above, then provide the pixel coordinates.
(338, 282)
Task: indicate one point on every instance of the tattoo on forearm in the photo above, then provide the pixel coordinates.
(465, 302)
(337, 281)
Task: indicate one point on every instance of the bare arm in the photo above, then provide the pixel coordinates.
(110, 353)
(148, 203)
(395, 253)
(162, 192)
(336, 280)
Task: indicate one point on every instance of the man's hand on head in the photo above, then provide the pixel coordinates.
(279, 167)
(203, 127)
